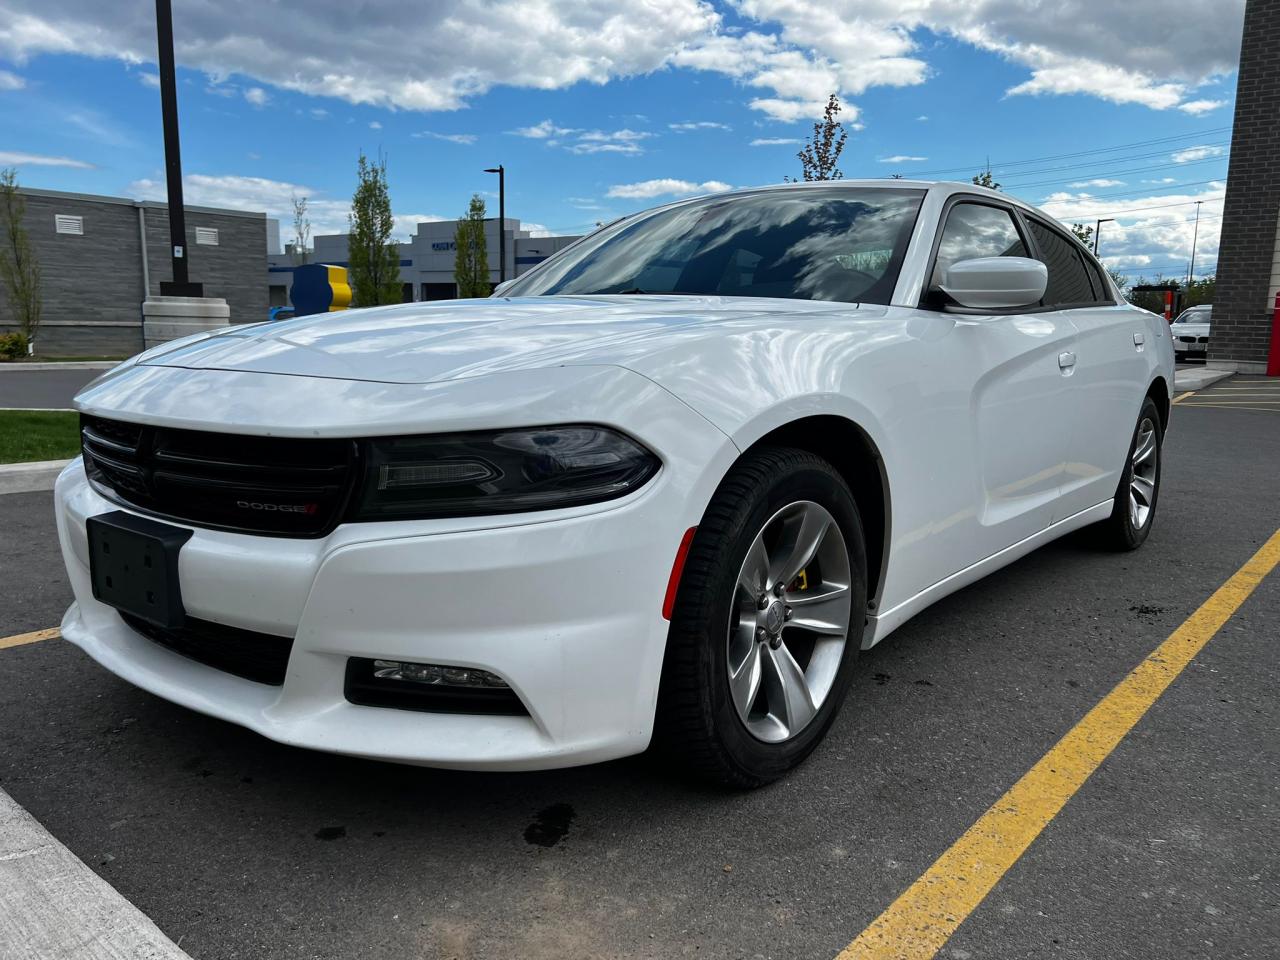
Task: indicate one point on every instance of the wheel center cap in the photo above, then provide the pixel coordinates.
(774, 617)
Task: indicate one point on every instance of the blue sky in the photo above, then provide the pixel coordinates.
(597, 109)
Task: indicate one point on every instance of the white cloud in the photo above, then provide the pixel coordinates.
(902, 158)
(11, 81)
(1099, 182)
(616, 141)
(466, 139)
(1197, 153)
(16, 158)
(922, 118)
(256, 96)
(542, 131)
(1197, 107)
(1150, 235)
(272, 197)
(375, 125)
(149, 79)
(319, 112)
(698, 125)
(790, 53)
(775, 141)
(647, 189)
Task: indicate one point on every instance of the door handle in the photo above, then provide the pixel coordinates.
(1066, 360)
(1139, 340)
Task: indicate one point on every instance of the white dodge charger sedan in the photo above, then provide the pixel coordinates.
(661, 488)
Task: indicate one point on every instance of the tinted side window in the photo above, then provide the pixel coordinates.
(1068, 281)
(976, 230)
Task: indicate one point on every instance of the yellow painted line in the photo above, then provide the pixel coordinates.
(923, 918)
(1183, 396)
(1234, 406)
(33, 637)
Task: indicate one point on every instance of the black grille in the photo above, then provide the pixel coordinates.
(282, 486)
(262, 657)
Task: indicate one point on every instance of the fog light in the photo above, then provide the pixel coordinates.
(435, 674)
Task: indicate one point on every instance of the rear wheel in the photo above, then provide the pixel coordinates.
(768, 620)
(1135, 502)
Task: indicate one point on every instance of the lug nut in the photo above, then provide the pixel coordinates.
(775, 643)
(778, 589)
(788, 613)
(761, 634)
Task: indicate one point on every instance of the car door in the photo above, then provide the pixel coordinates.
(1107, 377)
(1000, 427)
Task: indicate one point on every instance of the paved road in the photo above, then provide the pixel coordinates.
(240, 848)
(43, 389)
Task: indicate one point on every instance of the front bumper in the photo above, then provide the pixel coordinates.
(563, 605)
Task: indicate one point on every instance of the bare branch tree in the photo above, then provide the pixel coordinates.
(19, 268)
(301, 230)
(821, 154)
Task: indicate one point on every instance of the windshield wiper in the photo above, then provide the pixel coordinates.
(623, 293)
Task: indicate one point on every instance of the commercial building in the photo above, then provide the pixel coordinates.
(1248, 278)
(427, 260)
(101, 257)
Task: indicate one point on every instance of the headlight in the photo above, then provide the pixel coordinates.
(504, 471)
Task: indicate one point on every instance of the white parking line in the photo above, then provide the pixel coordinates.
(53, 907)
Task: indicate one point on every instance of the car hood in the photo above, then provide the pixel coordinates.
(448, 340)
(1190, 329)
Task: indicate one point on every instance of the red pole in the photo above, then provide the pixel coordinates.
(1168, 306)
(1273, 360)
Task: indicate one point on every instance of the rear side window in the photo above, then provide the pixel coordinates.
(1069, 283)
(976, 230)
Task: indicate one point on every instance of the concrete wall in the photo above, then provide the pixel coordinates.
(1248, 254)
(92, 284)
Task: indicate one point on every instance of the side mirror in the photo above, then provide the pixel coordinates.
(498, 290)
(996, 283)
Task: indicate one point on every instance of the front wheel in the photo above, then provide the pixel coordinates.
(768, 620)
(1135, 503)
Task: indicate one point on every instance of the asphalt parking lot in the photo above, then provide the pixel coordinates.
(239, 848)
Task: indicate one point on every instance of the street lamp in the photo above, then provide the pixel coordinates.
(1195, 235)
(501, 171)
(1097, 232)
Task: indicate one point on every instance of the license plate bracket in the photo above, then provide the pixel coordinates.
(133, 566)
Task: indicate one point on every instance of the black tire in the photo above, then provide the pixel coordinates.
(697, 723)
(1120, 531)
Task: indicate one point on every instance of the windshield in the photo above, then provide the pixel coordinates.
(835, 243)
(1194, 315)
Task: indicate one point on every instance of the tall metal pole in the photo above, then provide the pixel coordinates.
(1097, 233)
(180, 286)
(1195, 235)
(502, 223)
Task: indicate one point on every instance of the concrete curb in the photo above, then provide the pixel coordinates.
(53, 906)
(1198, 379)
(28, 477)
(69, 365)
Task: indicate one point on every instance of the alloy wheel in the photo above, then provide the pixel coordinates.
(1142, 484)
(789, 622)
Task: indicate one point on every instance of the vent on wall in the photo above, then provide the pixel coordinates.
(207, 236)
(65, 223)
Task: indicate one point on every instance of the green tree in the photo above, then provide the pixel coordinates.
(373, 260)
(1083, 233)
(471, 261)
(1120, 279)
(984, 179)
(19, 268)
(821, 154)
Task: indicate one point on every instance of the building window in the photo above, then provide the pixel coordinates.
(207, 236)
(406, 293)
(65, 223)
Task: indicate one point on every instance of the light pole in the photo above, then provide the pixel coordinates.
(1195, 234)
(180, 286)
(501, 171)
(1097, 232)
